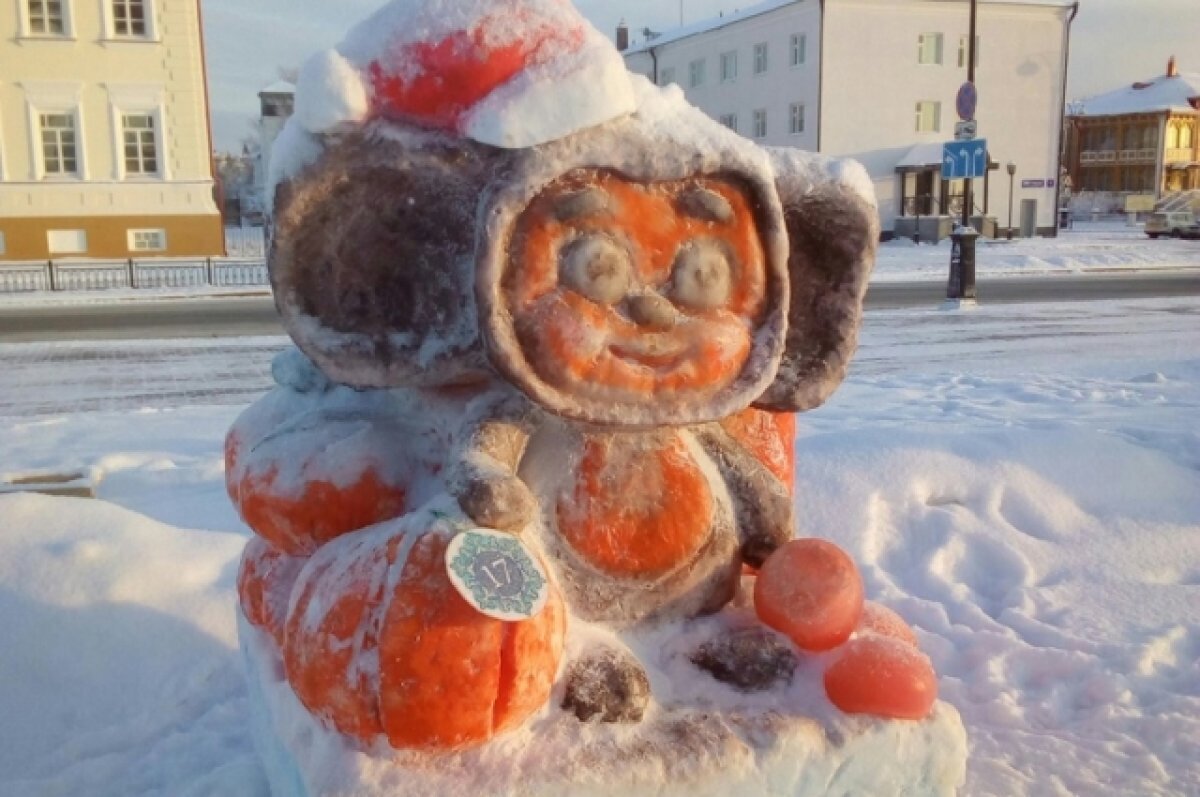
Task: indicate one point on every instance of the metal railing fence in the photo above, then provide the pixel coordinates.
(93, 275)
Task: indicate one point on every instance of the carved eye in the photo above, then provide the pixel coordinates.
(597, 267)
(703, 277)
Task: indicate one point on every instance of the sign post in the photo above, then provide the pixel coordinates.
(964, 159)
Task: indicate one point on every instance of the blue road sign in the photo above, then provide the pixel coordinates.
(964, 159)
(966, 101)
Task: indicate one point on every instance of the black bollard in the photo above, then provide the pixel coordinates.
(962, 264)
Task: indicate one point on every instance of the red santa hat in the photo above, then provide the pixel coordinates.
(510, 73)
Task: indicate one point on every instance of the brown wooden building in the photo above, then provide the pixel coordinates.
(1141, 139)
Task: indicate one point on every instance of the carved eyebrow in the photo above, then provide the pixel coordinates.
(706, 205)
(590, 201)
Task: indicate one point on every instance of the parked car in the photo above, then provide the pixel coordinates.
(1171, 224)
(1191, 232)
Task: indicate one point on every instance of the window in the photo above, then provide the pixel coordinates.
(799, 48)
(67, 242)
(760, 58)
(696, 73)
(2, 246)
(796, 125)
(1172, 137)
(760, 123)
(59, 142)
(729, 120)
(147, 240)
(929, 116)
(929, 48)
(962, 51)
(729, 67)
(129, 18)
(46, 17)
(141, 147)
(1185, 137)
(667, 76)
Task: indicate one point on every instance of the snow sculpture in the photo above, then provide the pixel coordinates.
(519, 479)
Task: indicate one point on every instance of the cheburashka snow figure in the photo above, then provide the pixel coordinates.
(531, 468)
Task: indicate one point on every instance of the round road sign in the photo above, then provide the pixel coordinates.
(968, 98)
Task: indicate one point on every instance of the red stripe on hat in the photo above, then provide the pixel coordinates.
(450, 76)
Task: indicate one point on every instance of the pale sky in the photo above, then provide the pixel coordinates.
(1114, 42)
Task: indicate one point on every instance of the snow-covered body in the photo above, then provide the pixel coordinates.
(587, 330)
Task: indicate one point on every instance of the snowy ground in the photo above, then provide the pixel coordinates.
(1021, 482)
(1090, 247)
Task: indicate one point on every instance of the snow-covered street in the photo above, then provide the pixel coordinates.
(1022, 483)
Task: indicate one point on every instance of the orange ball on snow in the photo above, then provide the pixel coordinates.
(884, 677)
(879, 619)
(811, 591)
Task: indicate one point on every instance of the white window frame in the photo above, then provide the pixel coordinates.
(799, 49)
(3, 150)
(729, 66)
(759, 129)
(962, 50)
(110, 23)
(927, 41)
(82, 236)
(729, 120)
(696, 70)
(794, 128)
(937, 116)
(761, 58)
(667, 76)
(27, 25)
(131, 237)
(54, 98)
(137, 98)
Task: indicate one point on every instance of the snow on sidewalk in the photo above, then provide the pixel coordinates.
(1021, 482)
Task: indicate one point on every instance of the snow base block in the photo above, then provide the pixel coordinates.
(792, 744)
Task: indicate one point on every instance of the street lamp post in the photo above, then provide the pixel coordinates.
(1012, 173)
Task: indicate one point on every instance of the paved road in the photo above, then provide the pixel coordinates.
(247, 316)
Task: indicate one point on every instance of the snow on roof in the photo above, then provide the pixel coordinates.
(927, 154)
(279, 87)
(706, 25)
(1163, 93)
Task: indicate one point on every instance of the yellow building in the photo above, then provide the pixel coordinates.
(104, 133)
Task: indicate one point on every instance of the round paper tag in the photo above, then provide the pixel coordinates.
(496, 573)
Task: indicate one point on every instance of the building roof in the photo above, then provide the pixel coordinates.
(279, 87)
(1163, 93)
(927, 154)
(715, 23)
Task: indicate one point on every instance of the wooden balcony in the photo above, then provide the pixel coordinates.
(1110, 157)
(1179, 156)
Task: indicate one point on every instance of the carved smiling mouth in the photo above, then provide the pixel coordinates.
(651, 356)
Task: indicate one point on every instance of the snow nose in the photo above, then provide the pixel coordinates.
(651, 310)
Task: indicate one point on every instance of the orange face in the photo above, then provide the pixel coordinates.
(630, 292)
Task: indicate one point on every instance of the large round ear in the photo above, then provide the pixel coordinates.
(833, 232)
(373, 257)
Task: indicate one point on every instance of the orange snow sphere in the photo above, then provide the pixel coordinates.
(322, 510)
(811, 591)
(884, 677)
(447, 677)
(265, 580)
(879, 619)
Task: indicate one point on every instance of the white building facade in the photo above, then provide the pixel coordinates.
(876, 80)
(104, 133)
